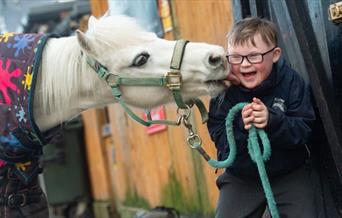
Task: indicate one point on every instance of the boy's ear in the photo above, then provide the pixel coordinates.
(276, 54)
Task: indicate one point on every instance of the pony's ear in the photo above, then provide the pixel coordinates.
(107, 14)
(92, 21)
(85, 43)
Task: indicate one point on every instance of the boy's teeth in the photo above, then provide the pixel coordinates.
(248, 73)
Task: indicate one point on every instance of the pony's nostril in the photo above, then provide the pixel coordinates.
(215, 60)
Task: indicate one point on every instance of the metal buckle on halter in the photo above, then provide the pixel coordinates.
(173, 80)
(16, 200)
(111, 79)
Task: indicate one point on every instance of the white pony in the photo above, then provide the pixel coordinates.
(67, 85)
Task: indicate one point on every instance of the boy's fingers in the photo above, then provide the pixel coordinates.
(258, 113)
(247, 107)
(256, 100)
(248, 126)
(259, 120)
(248, 122)
(233, 79)
(247, 113)
(248, 119)
(257, 107)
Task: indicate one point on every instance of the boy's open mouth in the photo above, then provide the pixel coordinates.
(248, 74)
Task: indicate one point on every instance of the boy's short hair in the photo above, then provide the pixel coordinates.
(245, 30)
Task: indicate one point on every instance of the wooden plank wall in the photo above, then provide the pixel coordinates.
(161, 169)
(209, 21)
(94, 119)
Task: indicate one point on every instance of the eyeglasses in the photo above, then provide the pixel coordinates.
(255, 58)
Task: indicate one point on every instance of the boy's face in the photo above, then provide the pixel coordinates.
(251, 75)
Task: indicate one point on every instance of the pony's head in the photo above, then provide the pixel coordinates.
(119, 44)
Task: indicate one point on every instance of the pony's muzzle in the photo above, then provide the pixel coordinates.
(216, 61)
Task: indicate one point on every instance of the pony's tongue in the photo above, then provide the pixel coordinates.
(226, 83)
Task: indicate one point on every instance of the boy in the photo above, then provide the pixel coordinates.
(279, 103)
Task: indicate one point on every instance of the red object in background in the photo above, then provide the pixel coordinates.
(157, 113)
(2, 163)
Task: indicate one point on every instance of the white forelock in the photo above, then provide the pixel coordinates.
(118, 31)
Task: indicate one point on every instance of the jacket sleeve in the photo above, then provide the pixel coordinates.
(218, 110)
(292, 128)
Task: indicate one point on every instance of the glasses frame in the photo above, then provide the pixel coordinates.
(246, 56)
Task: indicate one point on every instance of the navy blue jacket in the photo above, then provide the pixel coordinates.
(291, 114)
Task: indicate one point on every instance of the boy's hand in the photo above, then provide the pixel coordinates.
(247, 116)
(260, 113)
(233, 79)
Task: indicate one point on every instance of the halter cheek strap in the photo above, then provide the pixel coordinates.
(176, 63)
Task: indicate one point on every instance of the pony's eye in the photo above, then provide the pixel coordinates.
(140, 59)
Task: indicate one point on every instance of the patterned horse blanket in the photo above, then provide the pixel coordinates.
(20, 139)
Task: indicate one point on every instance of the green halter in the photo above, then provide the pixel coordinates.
(172, 80)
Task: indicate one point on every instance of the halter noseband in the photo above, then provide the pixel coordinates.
(172, 80)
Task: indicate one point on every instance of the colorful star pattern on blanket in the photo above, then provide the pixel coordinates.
(21, 114)
(20, 56)
(23, 166)
(28, 78)
(5, 37)
(10, 140)
(17, 57)
(21, 43)
(6, 83)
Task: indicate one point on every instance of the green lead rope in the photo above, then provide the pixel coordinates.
(254, 152)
